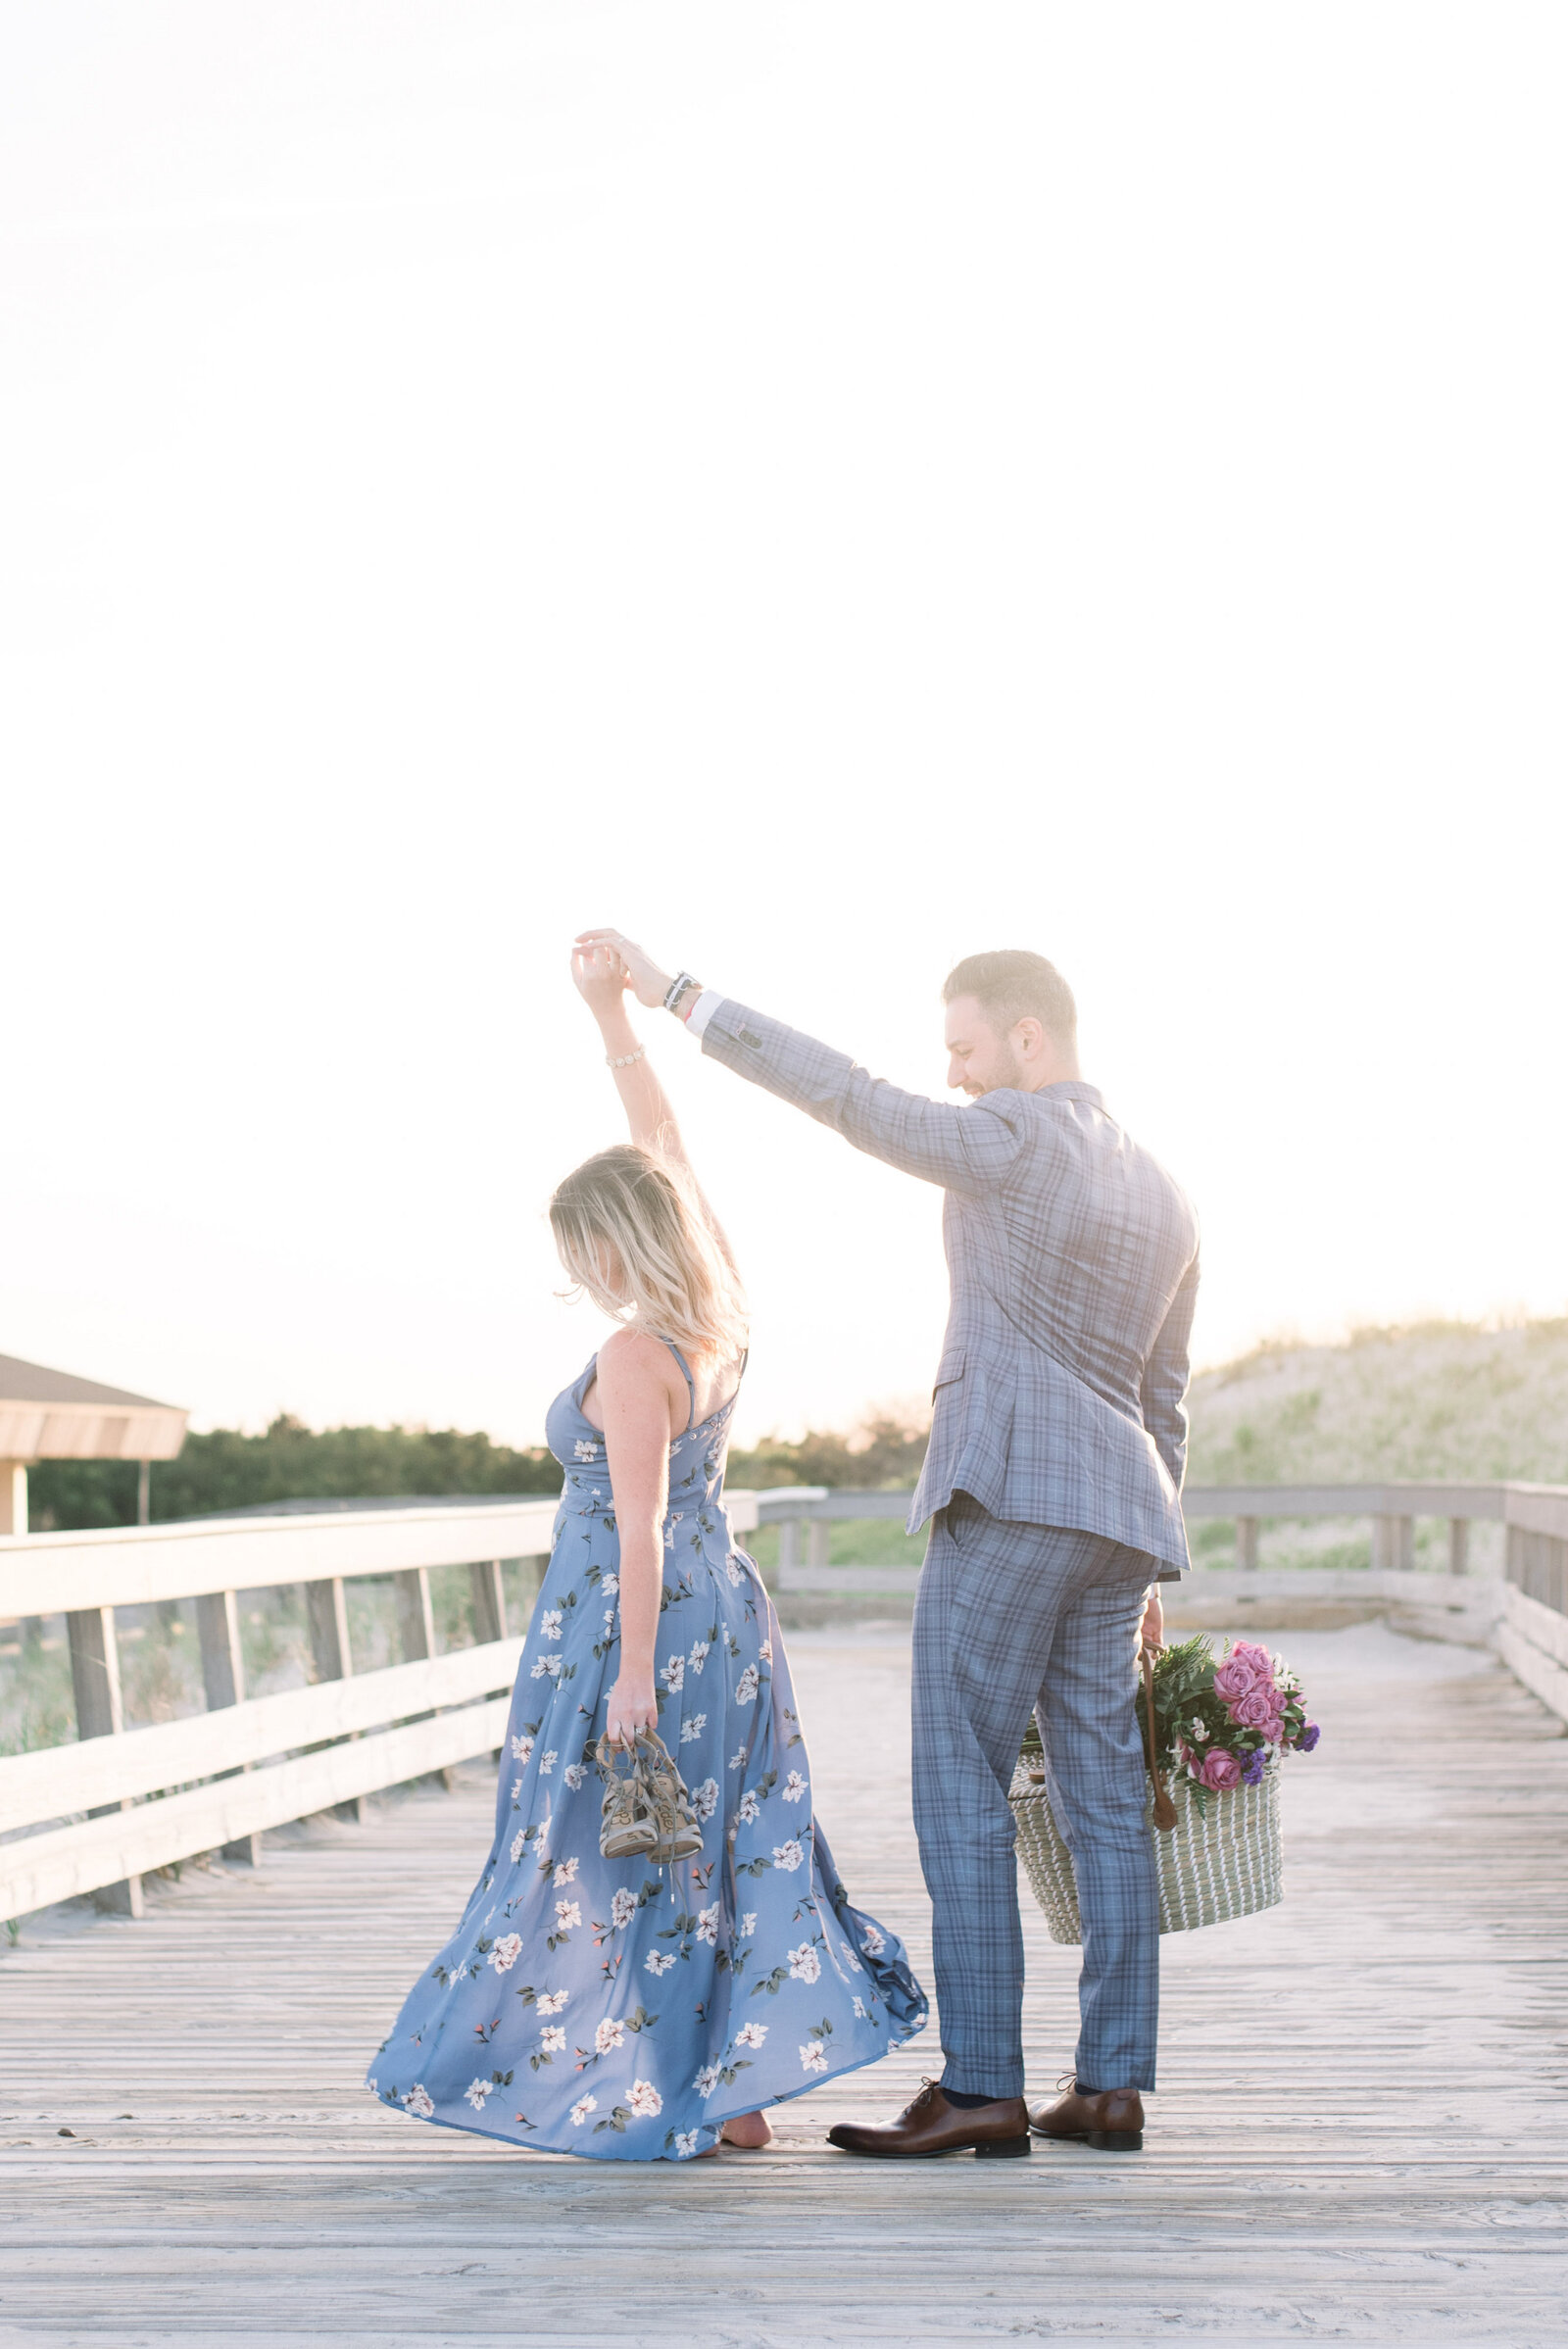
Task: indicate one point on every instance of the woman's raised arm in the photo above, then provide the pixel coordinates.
(602, 979)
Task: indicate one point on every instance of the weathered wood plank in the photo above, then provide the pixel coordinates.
(1359, 2135)
(37, 1871)
(59, 1778)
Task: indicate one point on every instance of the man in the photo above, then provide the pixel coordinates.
(1051, 1483)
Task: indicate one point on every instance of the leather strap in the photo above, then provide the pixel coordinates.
(1164, 1808)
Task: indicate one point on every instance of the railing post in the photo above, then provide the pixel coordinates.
(223, 1679)
(1246, 1544)
(100, 1713)
(789, 1543)
(1392, 1545)
(415, 1622)
(327, 1612)
(417, 1634)
(489, 1601)
(1458, 1545)
(818, 1533)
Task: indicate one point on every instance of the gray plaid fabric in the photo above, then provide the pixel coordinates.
(1010, 1617)
(1073, 1260)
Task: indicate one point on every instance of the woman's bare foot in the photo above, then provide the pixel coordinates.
(748, 2129)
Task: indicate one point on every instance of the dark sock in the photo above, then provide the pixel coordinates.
(968, 2104)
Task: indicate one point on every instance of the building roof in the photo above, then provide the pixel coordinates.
(30, 1382)
(51, 1415)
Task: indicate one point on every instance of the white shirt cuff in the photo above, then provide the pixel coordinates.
(702, 1010)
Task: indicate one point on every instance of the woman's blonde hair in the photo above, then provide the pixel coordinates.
(679, 1282)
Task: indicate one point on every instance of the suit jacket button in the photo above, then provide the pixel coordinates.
(755, 1042)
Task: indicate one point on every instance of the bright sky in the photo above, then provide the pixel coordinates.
(826, 487)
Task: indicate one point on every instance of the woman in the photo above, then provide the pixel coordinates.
(611, 2007)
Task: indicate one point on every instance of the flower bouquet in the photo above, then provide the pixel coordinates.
(1220, 1730)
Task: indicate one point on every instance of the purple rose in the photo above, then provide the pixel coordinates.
(1234, 1678)
(1308, 1738)
(1221, 1771)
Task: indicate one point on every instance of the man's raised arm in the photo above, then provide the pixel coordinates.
(961, 1149)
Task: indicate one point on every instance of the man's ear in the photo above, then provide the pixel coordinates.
(1029, 1035)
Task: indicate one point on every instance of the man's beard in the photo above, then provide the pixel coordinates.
(1012, 1061)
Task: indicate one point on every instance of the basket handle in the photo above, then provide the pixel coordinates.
(1164, 1808)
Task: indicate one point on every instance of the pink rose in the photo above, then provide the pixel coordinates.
(1255, 1710)
(1234, 1678)
(1220, 1771)
(1258, 1657)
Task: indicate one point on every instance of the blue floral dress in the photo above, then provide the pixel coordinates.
(610, 2007)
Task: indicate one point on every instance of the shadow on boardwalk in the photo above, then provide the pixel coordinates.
(1362, 2135)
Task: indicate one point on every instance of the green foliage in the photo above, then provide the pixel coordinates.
(881, 1455)
(225, 1470)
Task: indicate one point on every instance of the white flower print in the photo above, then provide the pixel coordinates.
(521, 1748)
(610, 1621)
(747, 1685)
(739, 1760)
(549, 1623)
(804, 1964)
(506, 1952)
(549, 1762)
(686, 2143)
(568, 1916)
(566, 1873)
(707, 2081)
(851, 1959)
(750, 1810)
(477, 2090)
(644, 2099)
(659, 1961)
(861, 2013)
(675, 1519)
(585, 1449)
(622, 1907)
(518, 1843)
(574, 1773)
(582, 2108)
(872, 1942)
(546, 1668)
(609, 1584)
(417, 2100)
(609, 2035)
(705, 1799)
(707, 1925)
(372, 2086)
(551, 2001)
(765, 1651)
(814, 2056)
(748, 1925)
(552, 2040)
(751, 2034)
(794, 1787)
(788, 1857)
(732, 1569)
(698, 1657)
(692, 1729)
(516, 1788)
(673, 1675)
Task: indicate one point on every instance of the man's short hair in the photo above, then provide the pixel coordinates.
(1013, 984)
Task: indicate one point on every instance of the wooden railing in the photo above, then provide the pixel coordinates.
(157, 1795)
(153, 1797)
(1523, 1610)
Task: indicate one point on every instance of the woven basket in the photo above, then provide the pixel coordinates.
(1218, 1862)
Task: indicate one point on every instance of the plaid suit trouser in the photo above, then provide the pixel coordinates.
(1012, 1618)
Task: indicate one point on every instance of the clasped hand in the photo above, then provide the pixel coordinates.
(633, 1708)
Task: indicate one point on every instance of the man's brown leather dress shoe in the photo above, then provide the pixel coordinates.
(1112, 2122)
(931, 2124)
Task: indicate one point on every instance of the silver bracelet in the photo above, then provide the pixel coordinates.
(625, 1059)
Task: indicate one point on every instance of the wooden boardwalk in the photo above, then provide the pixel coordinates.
(1362, 2133)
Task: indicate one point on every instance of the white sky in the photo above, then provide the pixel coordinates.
(827, 487)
